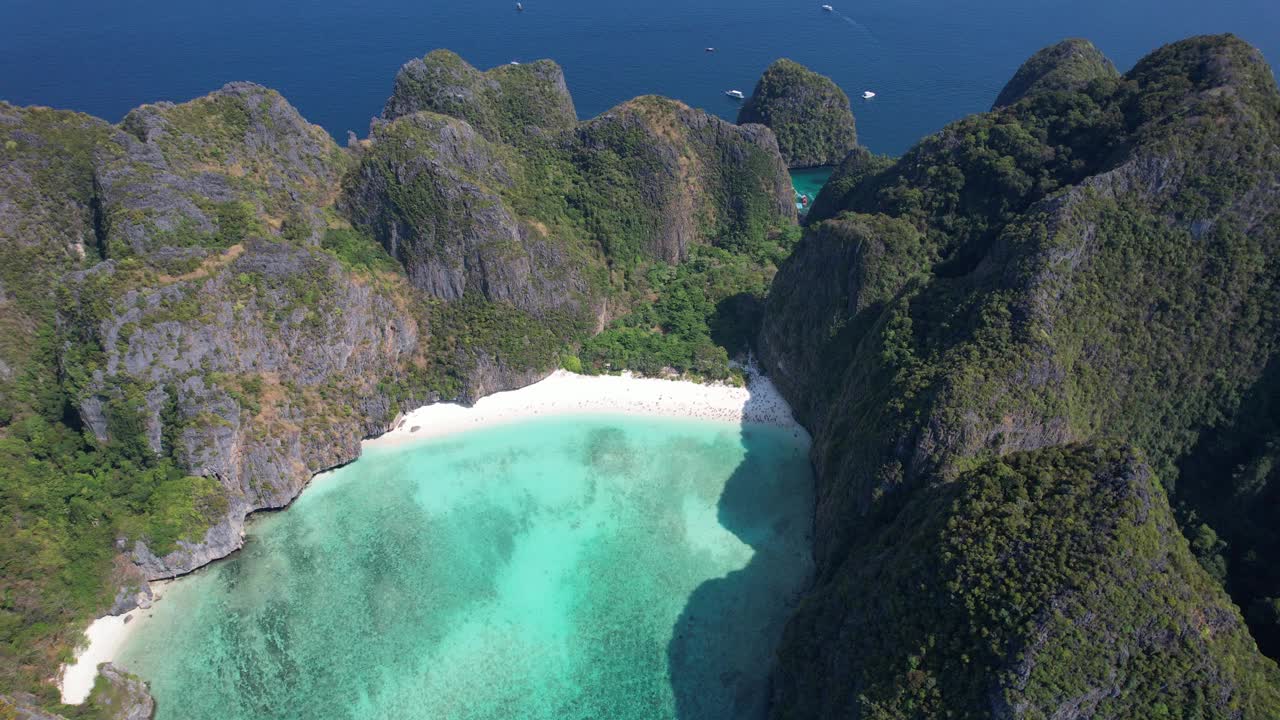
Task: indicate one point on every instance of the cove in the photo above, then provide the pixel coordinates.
(809, 181)
(571, 567)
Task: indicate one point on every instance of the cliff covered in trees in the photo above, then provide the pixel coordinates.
(808, 112)
(1021, 348)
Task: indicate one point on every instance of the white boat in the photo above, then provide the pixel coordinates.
(519, 7)
(735, 94)
(711, 49)
(514, 62)
(828, 8)
(867, 94)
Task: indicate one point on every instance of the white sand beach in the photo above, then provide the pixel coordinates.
(565, 393)
(562, 393)
(106, 636)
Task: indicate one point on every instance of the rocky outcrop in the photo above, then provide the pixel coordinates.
(1070, 65)
(687, 176)
(537, 221)
(837, 285)
(121, 697)
(432, 190)
(249, 359)
(201, 175)
(47, 226)
(839, 192)
(126, 697)
(510, 103)
(808, 112)
(945, 313)
(24, 706)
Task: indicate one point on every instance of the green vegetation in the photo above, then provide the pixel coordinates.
(1077, 265)
(67, 499)
(472, 333)
(510, 103)
(1070, 65)
(1037, 581)
(669, 220)
(357, 251)
(808, 112)
(1228, 491)
(704, 310)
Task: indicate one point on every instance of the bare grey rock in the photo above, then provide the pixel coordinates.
(127, 697)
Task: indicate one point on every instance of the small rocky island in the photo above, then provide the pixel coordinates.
(808, 112)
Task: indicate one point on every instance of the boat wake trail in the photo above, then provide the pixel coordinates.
(862, 29)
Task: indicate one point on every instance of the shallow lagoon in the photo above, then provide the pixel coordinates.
(561, 568)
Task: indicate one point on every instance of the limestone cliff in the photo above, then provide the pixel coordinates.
(685, 176)
(543, 214)
(1041, 275)
(510, 103)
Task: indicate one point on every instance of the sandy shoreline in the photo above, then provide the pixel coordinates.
(106, 636)
(562, 393)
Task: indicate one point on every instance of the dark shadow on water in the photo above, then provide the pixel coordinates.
(723, 646)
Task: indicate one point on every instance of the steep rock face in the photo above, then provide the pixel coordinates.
(432, 191)
(1069, 65)
(260, 373)
(510, 103)
(218, 331)
(808, 112)
(550, 223)
(1073, 272)
(199, 174)
(837, 285)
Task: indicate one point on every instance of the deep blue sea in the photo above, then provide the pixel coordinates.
(930, 61)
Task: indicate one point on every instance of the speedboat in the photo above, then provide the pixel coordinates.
(519, 7)
(514, 62)
(711, 49)
(828, 8)
(867, 94)
(735, 94)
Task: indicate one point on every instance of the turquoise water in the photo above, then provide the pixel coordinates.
(558, 568)
(809, 181)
